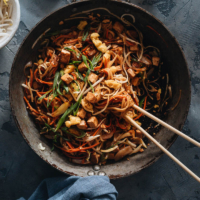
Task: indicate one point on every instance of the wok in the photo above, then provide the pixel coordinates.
(174, 62)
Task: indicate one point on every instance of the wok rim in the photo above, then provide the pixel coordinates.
(152, 160)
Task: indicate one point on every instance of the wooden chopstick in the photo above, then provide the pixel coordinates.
(167, 125)
(162, 148)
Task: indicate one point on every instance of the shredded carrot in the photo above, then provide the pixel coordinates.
(96, 131)
(30, 107)
(44, 82)
(107, 126)
(140, 115)
(70, 145)
(74, 75)
(78, 149)
(119, 125)
(54, 120)
(85, 48)
(61, 36)
(84, 75)
(99, 67)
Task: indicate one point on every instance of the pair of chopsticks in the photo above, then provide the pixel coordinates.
(158, 144)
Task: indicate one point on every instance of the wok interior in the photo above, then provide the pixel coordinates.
(171, 56)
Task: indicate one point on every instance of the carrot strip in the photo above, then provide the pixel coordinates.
(70, 145)
(54, 120)
(74, 75)
(99, 67)
(140, 115)
(30, 107)
(107, 126)
(119, 125)
(61, 36)
(44, 82)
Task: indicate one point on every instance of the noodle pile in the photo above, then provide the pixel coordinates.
(85, 80)
(5, 17)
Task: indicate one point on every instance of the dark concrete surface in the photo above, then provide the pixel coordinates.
(21, 170)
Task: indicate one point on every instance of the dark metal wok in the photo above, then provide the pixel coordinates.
(172, 57)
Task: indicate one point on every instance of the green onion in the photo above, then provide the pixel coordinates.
(57, 75)
(49, 103)
(92, 88)
(67, 112)
(86, 32)
(95, 60)
(52, 33)
(58, 89)
(86, 76)
(76, 111)
(61, 72)
(49, 127)
(74, 62)
(141, 102)
(44, 95)
(69, 49)
(66, 88)
(85, 60)
(81, 131)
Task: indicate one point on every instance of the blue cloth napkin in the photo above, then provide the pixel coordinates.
(75, 188)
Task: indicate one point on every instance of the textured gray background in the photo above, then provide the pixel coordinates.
(21, 170)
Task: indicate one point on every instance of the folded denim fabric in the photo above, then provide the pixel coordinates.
(75, 188)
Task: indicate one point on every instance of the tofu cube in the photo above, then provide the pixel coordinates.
(64, 56)
(93, 78)
(67, 78)
(155, 60)
(92, 122)
(91, 97)
(82, 67)
(81, 113)
(118, 27)
(131, 73)
(82, 125)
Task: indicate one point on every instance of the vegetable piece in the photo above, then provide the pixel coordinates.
(44, 95)
(86, 32)
(61, 109)
(72, 132)
(69, 49)
(55, 82)
(99, 45)
(123, 152)
(76, 111)
(82, 25)
(67, 112)
(113, 84)
(72, 121)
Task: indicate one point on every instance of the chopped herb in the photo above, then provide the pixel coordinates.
(86, 32)
(87, 74)
(95, 60)
(55, 139)
(76, 111)
(67, 112)
(92, 88)
(85, 61)
(44, 95)
(66, 88)
(49, 103)
(52, 149)
(69, 49)
(61, 72)
(49, 127)
(57, 75)
(141, 102)
(59, 85)
(76, 84)
(74, 62)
